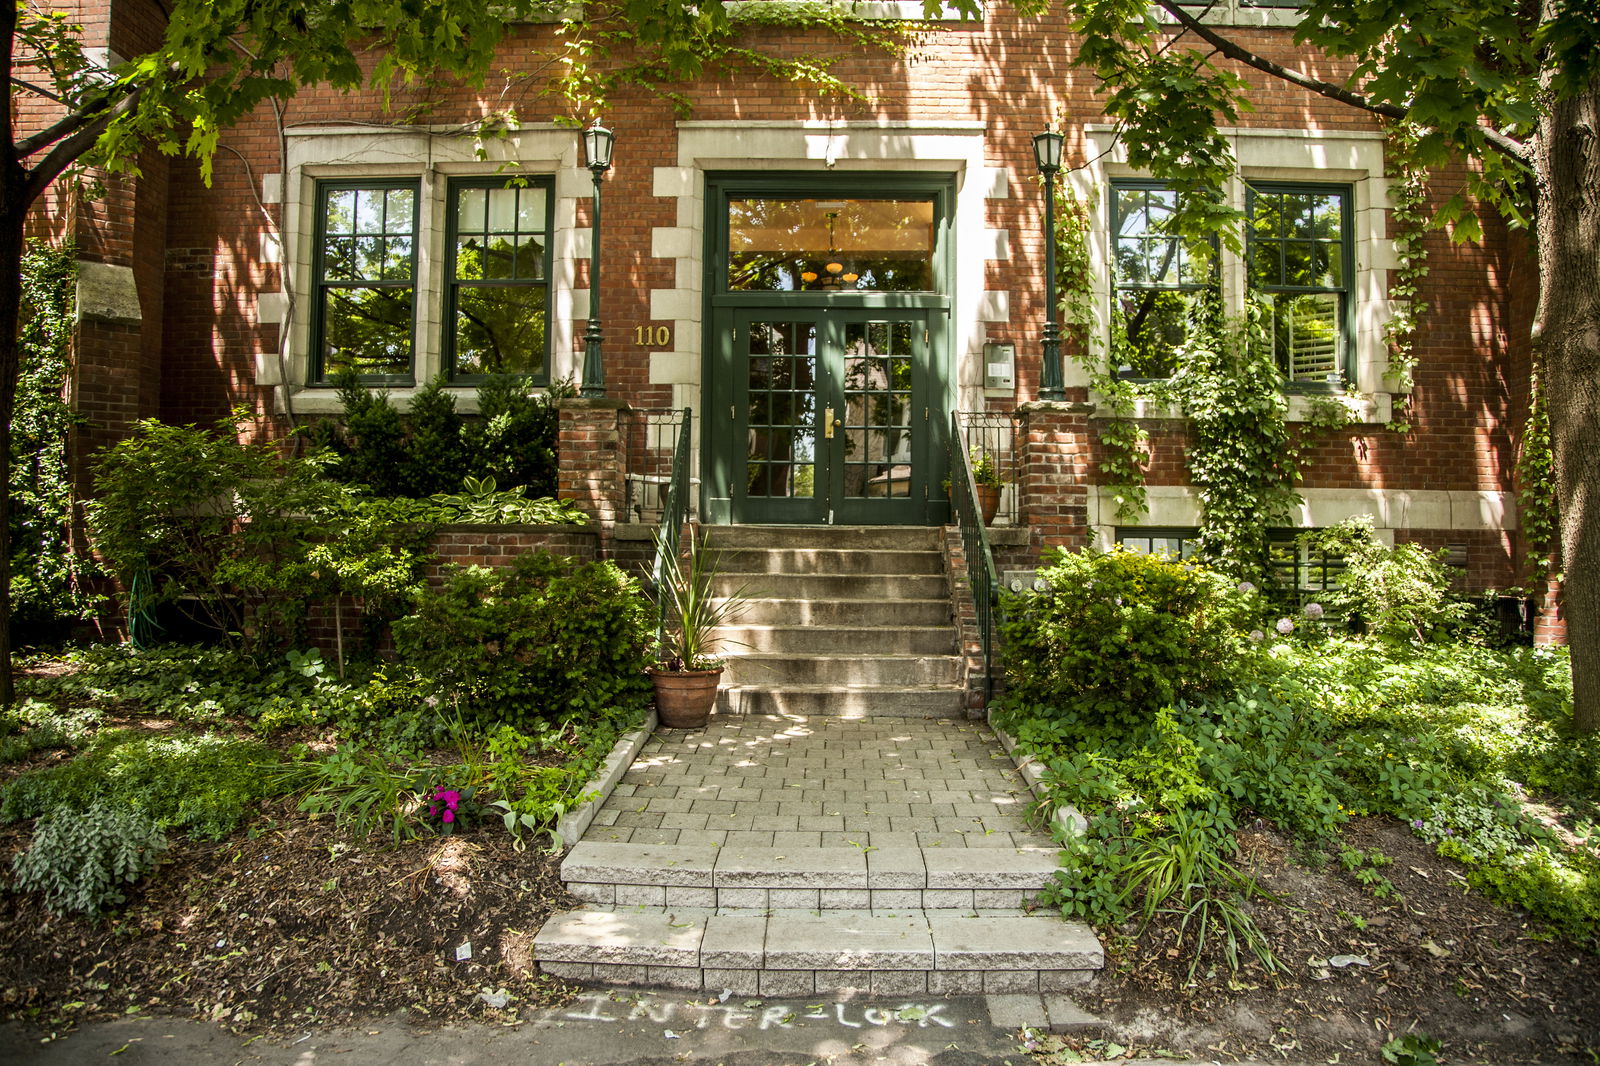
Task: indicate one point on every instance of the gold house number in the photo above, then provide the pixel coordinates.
(652, 336)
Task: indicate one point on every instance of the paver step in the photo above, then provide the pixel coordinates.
(793, 953)
(855, 538)
(751, 561)
(844, 611)
(865, 701)
(833, 586)
(833, 640)
(841, 669)
(827, 878)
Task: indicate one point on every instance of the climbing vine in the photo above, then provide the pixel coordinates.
(1409, 215)
(45, 585)
(1243, 454)
(1536, 491)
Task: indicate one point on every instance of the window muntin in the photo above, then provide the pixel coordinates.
(366, 279)
(1298, 255)
(1180, 543)
(782, 244)
(1155, 281)
(497, 300)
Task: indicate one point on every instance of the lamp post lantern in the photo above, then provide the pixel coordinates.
(597, 141)
(1047, 154)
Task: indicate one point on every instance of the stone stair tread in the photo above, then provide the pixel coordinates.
(823, 941)
(707, 866)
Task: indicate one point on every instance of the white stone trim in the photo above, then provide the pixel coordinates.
(1390, 510)
(1345, 157)
(432, 155)
(1235, 13)
(864, 10)
(875, 145)
(107, 291)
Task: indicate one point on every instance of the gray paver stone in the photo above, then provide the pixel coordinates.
(1015, 1010)
(593, 893)
(766, 867)
(1004, 981)
(855, 940)
(899, 982)
(619, 938)
(947, 899)
(739, 982)
(639, 864)
(687, 978)
(955, 982)
(787, 982)
(1017, 868)
(690, 897)
(844, 899)
(733, 942)
(794, 898)
(896, 868)
(1013, 943)
(641, 895)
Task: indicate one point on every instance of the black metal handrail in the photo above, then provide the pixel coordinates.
(673, 512)
(982, 580)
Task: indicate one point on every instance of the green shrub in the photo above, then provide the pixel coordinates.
(81, 860)
(34, 725)
(1398, 593)
(204, 785)
(548, 640)
(1119, 635)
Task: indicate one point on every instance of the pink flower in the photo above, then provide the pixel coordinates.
(449, 816)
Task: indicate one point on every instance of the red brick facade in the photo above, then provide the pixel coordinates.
(211, 272)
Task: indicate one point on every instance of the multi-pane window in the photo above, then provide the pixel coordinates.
(1178, 543)
(1297, 244)
(366, 279)
(1299, 268)
(1155, 280)
(498, 292)
(1298, 569)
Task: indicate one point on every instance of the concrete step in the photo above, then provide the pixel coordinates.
(829, 561)
(799, 953)
(833, 586)
(878, 879)
(783, 668)
(833, 640)
(856, 538)
(852, 611)
(856, 701)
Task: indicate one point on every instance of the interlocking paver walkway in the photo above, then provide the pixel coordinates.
(791, 782)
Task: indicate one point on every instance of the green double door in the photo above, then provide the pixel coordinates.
(834, 416)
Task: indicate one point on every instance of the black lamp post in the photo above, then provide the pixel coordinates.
(597, 157)
(1047, 154)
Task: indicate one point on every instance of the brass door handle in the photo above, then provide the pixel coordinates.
(829, 423)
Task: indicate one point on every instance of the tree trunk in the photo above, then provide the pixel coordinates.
(1566, 340)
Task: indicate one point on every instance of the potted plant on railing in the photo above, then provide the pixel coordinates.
(986, 476)
(687, 674)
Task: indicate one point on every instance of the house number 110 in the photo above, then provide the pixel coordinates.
(652, 336)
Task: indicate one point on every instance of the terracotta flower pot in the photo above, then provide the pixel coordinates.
(988, 501)
(684, 698)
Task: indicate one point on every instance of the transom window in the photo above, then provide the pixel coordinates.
(845, 245)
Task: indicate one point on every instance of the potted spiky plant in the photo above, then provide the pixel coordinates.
(987, 480)
(687, 674)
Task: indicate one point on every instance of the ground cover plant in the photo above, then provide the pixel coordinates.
(1309, 734)
(326, 843)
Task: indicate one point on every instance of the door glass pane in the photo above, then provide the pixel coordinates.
(780, 449)
(787, 245)
(878, 414)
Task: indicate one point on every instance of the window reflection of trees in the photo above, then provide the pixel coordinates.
(368, 294)
(877, 389)
(782, 408)
(785, 245)
(500, 292)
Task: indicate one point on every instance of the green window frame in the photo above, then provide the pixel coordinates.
(497, 279)
(1180, 541)
(365, 280)
(1154, 280)
(1300, 256)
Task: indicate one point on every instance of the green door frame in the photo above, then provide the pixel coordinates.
(724, 377)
